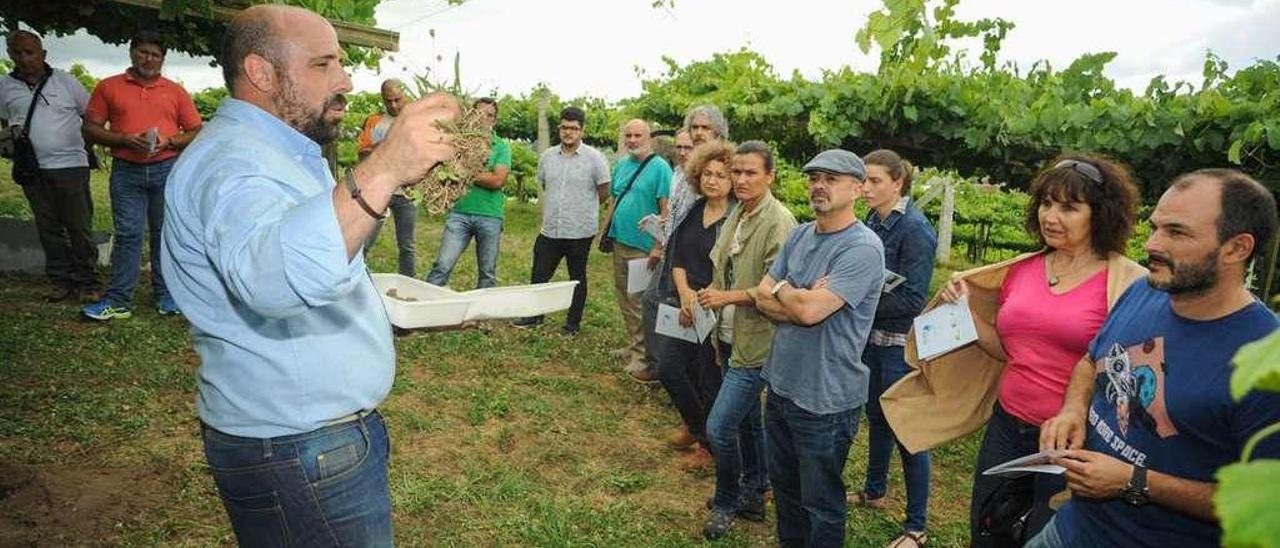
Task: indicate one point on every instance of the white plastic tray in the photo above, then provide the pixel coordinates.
(519, 301)
(436, 306)
(440, 306)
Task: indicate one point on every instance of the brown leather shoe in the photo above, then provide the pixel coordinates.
(643, 375)
(62, 294)
(681, 440)
(861, 498)
(701, 459)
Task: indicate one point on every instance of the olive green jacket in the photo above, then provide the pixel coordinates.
(760, 238)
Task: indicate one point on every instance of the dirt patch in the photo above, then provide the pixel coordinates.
(63, 505)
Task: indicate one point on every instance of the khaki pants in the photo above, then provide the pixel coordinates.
(629, 305)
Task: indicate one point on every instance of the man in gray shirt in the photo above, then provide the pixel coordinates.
(823, 290)
(574, 179)
(58, 187)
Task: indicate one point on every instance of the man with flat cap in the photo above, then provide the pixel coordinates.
(822, 290)
(263, 246)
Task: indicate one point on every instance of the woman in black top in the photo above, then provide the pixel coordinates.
(689, 371)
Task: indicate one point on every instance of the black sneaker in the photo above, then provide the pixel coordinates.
(752, 508)
(527, 323)
(717, 525)
(569, 330)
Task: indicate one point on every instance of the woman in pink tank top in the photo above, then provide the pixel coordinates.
(1050, 307)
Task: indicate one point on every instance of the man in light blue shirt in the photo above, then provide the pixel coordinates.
(264, 251)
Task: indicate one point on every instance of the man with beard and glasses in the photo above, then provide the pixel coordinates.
(822, 290)
(263, 250)
(573, 180)
(146, 119)
(1148, 418)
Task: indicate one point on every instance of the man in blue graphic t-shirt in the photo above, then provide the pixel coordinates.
(1150, 405)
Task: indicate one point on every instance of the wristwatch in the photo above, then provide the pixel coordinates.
(778, 287)
(1136, 492)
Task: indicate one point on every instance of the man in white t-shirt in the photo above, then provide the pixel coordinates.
(58, 187)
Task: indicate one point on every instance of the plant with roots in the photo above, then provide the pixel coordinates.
(444, 185)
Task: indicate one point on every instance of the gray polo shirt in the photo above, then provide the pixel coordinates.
(820, 367)
(570, 203)
(58, 116)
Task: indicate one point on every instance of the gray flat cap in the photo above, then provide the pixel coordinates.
(838, 161)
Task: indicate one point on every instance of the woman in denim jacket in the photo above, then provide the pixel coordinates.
(910, 245)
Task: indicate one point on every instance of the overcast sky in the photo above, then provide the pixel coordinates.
(594, 47)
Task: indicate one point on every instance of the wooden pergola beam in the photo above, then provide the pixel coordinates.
(348, 33)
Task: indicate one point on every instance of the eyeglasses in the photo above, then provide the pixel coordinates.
(684, 147)
(1088, 170)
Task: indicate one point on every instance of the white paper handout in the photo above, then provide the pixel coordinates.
(891, 280)
(1038, 462)
(945, 328)
(704, 321)
(668, 324)
(153, 139)
(652, 224)
(638, 275)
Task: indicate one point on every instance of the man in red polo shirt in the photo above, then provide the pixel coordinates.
(146, 119)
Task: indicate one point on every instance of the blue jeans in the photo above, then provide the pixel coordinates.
(137, 202)
(737, 439)
(458, 230)
(1005, 439)
(887, 367)
(807, 452)
(404, 214)
(1049, 537)
(321, 488)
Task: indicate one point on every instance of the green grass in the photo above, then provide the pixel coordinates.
(504, 437)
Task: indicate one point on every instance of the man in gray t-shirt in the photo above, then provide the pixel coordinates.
(822, 290)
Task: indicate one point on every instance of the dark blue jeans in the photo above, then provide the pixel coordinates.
(807, 452)
(887, 367)
(1008, 438)
(405, 216)
(1049, 537)
(458, 230)
(737, 438)
(137, 203)
(322, 488)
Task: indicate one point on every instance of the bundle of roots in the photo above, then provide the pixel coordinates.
(449, 181)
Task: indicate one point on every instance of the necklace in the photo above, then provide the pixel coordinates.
(1055, 279)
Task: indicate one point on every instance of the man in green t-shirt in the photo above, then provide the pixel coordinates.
(478, 213)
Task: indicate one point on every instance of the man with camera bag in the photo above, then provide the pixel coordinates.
(637, 192)
(44, 108)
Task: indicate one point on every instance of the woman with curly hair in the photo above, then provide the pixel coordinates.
(687, 370)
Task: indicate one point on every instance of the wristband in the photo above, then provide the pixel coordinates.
(778, 287)
(355, 195)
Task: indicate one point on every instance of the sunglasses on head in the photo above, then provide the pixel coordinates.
(1088, 170)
